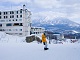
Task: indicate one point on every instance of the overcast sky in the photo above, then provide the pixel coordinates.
(46, 8)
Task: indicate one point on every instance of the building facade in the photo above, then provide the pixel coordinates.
(37, 30)
(16, 22)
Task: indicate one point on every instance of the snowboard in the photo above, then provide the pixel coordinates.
(46, 48)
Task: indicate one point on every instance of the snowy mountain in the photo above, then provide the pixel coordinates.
(58, 23)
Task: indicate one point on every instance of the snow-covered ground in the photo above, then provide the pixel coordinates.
(34, 51)
(15, 48)
(5, 38)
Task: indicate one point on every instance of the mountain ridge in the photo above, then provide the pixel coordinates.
(58, 23)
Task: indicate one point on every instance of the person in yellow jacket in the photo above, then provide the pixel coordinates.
(44, 41)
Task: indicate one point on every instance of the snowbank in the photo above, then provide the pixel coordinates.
(5, 38)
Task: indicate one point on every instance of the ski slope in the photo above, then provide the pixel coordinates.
(34, 51)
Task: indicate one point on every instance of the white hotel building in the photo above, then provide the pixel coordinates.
(16, 22)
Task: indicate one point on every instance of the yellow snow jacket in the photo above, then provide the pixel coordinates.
(43, 38)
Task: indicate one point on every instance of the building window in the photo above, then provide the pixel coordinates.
(13, 19)
(2, 20)
(12, 16)
(36, 32)
(0, 25)
(16, 24)
(0, 17)
(9, 20)
(9, 29)
(0, 29)
(4, 17)
(20, 29)
(17, 16)
(10, 12)
(20, 33)
(9, 24)
(20, 24)
(0, 13)
(16, 19)
(20, 16)
(20, 11)
(4, 13)
(17, 12)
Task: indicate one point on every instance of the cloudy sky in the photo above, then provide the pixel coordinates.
(46, 8)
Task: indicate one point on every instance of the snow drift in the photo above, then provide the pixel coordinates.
(10, 38)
